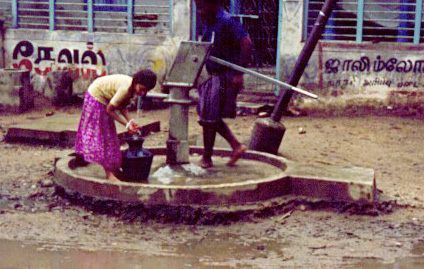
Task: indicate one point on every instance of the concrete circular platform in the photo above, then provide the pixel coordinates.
(257, 177)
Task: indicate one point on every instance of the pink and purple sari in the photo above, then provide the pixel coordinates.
(97, 139)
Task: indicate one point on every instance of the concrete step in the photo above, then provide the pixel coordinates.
(60, 130)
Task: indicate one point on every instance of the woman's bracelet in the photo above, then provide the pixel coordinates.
(128, 123)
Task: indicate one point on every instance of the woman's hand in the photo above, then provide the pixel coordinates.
(132, 127)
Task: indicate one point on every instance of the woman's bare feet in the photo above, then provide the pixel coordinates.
(237, 153)
(111, 177)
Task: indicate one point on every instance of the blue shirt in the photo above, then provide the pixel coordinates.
(228, 33)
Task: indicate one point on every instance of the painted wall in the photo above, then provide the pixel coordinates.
(89, 55)
(347, 74)
(341, 73)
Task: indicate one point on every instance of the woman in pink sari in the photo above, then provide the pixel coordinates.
(105, 102)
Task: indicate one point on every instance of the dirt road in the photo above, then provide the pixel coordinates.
(299, 235)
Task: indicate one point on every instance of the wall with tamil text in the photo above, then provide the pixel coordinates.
(346, 74)
(86, 55)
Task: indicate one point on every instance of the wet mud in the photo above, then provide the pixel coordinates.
(39, 221)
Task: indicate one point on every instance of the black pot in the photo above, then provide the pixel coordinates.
(136, 161)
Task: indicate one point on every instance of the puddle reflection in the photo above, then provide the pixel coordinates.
(403, 263)
(18, 255)
(193, 254)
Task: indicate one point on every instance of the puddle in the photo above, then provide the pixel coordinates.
(15, 254)
(418, 249)
(192, 174)
(407, 262)
(404, 263)
(217, 248)
(212, 251)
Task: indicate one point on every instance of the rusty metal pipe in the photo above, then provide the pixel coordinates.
(261, 76)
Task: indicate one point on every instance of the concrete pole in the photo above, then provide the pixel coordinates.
(268, 133)
(178, 148)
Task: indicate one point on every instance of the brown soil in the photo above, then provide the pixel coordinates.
(297, 234)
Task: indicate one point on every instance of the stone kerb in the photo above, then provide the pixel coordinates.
(328, 183)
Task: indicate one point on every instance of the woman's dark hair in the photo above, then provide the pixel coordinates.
(144, 77)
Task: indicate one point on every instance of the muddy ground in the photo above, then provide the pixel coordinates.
(298, 234)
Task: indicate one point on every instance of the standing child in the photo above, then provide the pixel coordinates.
(218, 94)
(97, 140)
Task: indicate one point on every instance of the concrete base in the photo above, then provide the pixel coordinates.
(257, 177)
(177, 151)
(60, 130)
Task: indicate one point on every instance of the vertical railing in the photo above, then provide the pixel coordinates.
(193, 20)
(235, 7)
(360, 20)
(329, 31)
(90, 15)
(418, 17)
(305, 19)
(52, 15)
(130, 10)
(405, 17)
(15, 16)
(171, 17)
(279, 43)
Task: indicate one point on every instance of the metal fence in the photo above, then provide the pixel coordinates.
(369, 20)
(118, 16)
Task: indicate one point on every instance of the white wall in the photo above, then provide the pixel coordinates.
(351, 73)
